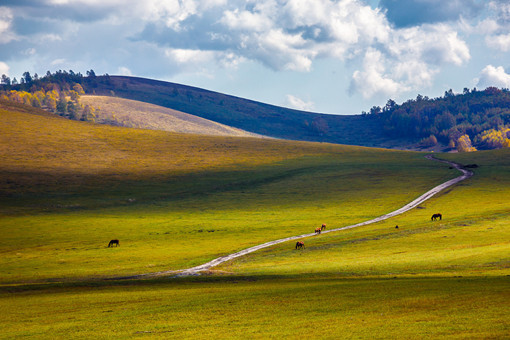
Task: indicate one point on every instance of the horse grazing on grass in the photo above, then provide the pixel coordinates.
(436, 216)
(323, 227)
(300, 244)
(112, 242)
(318, 230)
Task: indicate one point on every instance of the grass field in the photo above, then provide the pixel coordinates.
(472, 239)
(176, 201)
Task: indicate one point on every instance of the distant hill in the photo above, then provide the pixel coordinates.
(248, 115)
(465, 122)
(131, 113)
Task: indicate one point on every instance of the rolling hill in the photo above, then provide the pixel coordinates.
(248, 115)
(131, 113)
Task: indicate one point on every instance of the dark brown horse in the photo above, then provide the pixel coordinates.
(300, 244)
(323, 227)
(318, 230)
(436, 216)
(112, 242)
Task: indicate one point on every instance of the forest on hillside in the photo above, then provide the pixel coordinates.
(57, 92)
(467, 121)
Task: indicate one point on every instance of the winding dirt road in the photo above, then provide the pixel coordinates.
(206, 266)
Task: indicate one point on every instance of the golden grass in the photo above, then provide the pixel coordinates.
(60, 151)
(132, 113)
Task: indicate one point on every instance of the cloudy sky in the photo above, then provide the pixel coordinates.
(331, 56)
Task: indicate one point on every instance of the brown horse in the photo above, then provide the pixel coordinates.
(323, 227)
(436, 216)
(317, 230)
(300, 244)
(112, 242)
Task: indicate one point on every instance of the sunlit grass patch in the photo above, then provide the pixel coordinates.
(472, 239)
(274, 307)
(176, 200)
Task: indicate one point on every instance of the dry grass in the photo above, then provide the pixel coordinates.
(44, 150)
(131, 113)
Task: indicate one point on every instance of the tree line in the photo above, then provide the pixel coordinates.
(57, 92)
(469, 121)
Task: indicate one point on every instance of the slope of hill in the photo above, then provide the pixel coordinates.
(64, 178)
(178, 200)
(246, 114)
(131, 113)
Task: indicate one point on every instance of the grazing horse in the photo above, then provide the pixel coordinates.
(323, 227)
(436, 216)
(317, 230)
(300, 244)
(112, 242)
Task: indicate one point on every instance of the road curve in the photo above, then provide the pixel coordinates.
(206, 266)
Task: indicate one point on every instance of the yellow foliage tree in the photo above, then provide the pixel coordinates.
(78, 88)
(464, 144)
(495, 139)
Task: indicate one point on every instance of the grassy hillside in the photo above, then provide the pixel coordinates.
(131, 113)
(177, 200)
(246, 114)
(69, 187)
(473, 238)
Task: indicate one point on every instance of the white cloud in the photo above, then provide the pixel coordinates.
(4, 68)
(58, 61)
(437, 45)
(497, 28)
(486, 26)
(188, 56)
(494, 76)
(372, 81)
(6, 18)
(245, 20)
(409, 61)
(50, 38)
(29, 51)
(415, 72)
(124, 71)
(499, 42)
(298, 104)
(197, 60)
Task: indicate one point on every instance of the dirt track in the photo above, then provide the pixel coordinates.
(206, 266)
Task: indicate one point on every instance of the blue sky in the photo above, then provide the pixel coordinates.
(330, 56)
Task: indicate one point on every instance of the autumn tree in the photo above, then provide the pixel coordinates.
(495, 138)
(79, 89)
(464, 144)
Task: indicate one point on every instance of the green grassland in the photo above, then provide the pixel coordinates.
(174, 201)
(177, 200)
(473, 238)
